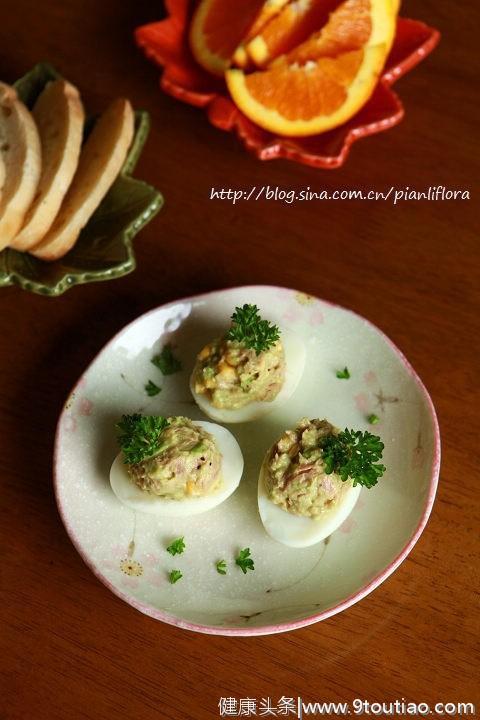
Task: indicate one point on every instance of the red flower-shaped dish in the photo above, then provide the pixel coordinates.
(166, 43)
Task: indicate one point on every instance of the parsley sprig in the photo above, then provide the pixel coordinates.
(139, 436)
(221, 567)
(249, 329)
(152, 389)
(174, 576)
(354, 454)
(244, 561)
(166, 361)
(177, 546)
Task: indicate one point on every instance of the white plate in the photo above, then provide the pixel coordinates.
(289, 588)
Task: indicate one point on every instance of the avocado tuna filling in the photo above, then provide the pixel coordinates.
(187, 463)
(294, 471)
(232, 376)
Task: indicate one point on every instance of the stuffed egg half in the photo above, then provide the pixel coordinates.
(234, 382)
(194, 467)
(299, 503)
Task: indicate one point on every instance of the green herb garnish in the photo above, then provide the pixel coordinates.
(151, 389)
(174, 576)
(249, 329)
(177, 546)
(221, 566)
(139, 436)
(244, 561)
(354, 454)
(373, 419)
(343, 374)
(166, 362)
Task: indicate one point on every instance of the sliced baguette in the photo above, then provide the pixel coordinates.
(21, 155)
(59, 115)
(2, 174)
(100, 162)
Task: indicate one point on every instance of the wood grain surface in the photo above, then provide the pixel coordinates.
(71, 650)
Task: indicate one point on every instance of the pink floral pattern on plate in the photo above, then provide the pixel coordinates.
(135, 570)
(76, 407)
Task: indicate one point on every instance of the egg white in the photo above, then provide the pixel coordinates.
(297, 531)
(232, 468)
(295, 354)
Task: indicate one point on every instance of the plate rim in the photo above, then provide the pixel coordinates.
(279, 627)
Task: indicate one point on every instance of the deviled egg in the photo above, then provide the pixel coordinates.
(311, 478)
(249, 371)
(174, 466)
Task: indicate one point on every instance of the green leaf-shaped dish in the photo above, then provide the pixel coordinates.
(104, 249)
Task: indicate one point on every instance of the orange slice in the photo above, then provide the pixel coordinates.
(352, 26)
(294, 24)
(217, 29)
(302, 100)
(269, 10)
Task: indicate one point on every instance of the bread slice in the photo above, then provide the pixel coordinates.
(2, 174)
(59, 115)
(21, 155)
(100, 162)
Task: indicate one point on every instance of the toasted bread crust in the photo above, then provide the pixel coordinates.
(21, 155)
(100, 162)
(59, 116)
(2, 175)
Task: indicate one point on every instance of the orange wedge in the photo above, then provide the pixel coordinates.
(352, 26)
(288, 28)
(269, 10)
(218, 28)
(301, 100)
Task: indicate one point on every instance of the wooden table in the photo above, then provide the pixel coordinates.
(69, 649)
